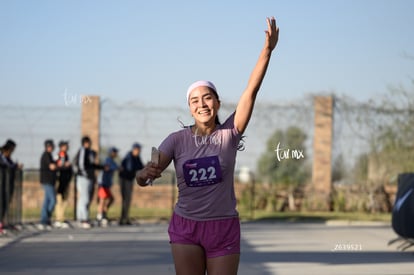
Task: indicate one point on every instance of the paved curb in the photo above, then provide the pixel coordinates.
(356, 223)
(31, 229)
(19, 233)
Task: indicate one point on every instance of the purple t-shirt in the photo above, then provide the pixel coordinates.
(205, 171)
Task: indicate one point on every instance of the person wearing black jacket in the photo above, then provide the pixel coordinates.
(129, 167)
(9, 168)
(85, 179)
(48, 180)
(64, 177)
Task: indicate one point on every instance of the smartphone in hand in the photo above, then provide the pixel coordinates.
(155, 159)
(155, 156)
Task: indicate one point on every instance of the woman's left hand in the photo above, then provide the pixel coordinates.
(272, 34)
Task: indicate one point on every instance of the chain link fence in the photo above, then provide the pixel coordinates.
(362, 137)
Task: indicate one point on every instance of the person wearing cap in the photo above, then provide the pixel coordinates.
(104, 189)
(204, 229)
(48, 179)
(64, 177)
(130, 165)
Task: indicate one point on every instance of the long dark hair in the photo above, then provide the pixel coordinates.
(218, 99)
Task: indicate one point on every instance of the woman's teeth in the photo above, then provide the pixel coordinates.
(203, 112)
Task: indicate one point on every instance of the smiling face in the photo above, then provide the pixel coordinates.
(204, 105)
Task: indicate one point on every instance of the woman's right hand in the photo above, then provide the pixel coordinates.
(151, 172)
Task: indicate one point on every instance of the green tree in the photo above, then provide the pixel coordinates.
(287, 169)
(360, 170)
(283, 162)
(392, 142)
(339, 169)
(388, 127)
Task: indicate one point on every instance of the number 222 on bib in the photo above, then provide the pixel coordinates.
(202, 171)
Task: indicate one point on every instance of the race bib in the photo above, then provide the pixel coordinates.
(202, 171)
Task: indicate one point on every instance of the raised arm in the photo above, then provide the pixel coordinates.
(246, 103)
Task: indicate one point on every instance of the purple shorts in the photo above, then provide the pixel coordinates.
(217, 237)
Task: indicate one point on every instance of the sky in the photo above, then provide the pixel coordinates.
(151, 51)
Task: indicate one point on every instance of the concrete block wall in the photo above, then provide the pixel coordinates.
(322, 150)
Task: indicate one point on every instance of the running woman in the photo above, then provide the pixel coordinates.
(205, 229)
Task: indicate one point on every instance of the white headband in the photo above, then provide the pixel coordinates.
(200, 83)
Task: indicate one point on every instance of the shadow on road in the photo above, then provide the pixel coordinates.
(106, 257)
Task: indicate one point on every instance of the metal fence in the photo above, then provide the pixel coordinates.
(356, 124)
(363, 132)
(127, 122)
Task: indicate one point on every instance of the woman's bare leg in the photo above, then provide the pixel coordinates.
(189, 259)
(224, 265)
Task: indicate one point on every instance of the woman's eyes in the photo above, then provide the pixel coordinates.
(205, 98)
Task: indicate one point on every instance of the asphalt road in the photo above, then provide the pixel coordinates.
(267, 248)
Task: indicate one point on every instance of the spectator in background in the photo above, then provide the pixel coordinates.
(65, 175)
(104, 191)
(129, 167)
(47, 179)
(85, 178)
(7, 191)
(5, 155)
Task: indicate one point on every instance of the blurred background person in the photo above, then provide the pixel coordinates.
(129, 167)
(5, 155)
(7, 188)
(85, 179)
(104, 191)
(64, 177)
(48, 179)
